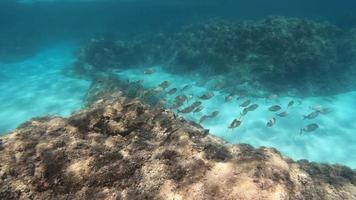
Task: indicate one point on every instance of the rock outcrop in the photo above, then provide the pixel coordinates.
(280, 54)
(123, 149)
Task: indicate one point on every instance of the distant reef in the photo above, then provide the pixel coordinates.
(119, 148)
(280, 54)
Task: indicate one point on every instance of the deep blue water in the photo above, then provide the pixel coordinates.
(39, 41)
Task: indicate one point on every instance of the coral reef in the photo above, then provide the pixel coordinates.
(279, 53)
(122, 149)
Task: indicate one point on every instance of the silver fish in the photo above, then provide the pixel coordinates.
(187, 109)
(312, 115)
(282, 114)
(271, 122)
(172, 91)
(214, 114)
(252, 107)
(186, 87)
(164, 84)
(235, 123)
(244, 112)
(274, 108)
(198, 109)
(207, 96)
(196, 104)
(203, 118)
(290, 104)
(309, 128)
(245, 103)
(149, 71)
(229, 97)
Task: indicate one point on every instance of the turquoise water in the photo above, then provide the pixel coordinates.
(37, 86)
(333, 142)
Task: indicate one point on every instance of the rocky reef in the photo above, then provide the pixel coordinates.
(120, 148)
(282, 54)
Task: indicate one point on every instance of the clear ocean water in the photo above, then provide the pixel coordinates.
(40, 41)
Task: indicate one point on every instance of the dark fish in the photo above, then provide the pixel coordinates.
(214, 114)
(186, 87)
(271, 122)
(149, 71)
(244, 112)
(196, 104)
(229, 97)
(203, 118)
(180, 98)
(290, 104)
(207, 96)
(172, 91)
(198, 109)
(245, 103)
(309, 128)
(282, 114)
(235, 123)
(274, 108)
(312, 115)
(179, 101)
(164, 84)
(252, 107)
(187, 109)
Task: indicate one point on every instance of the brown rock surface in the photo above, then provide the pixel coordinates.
(122, 149)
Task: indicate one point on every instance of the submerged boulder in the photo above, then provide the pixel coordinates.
(123, 149)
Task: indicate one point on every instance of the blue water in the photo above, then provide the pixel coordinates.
(34, 82)
(38, 86)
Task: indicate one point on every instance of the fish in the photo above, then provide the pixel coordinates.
(320, 109)
(207, 96)
(229, 97)
(325, 111)
(172, 91)
(214, 114)
(158, 89)
(271, 122)
(164, 84)
(252, 107)
(244, 112)
(187, 109)
(196, 104)
(245, 103)
(149, 71)
(282, 114)
(186, 87)
(198, 109)
(235, 123)
(290, 104)
(179, 101)
(180, 98)
(203, 118)
(312, 115)
(274, 108)
(309, 128)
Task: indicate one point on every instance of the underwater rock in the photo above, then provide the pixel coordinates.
(123, 149)
(278, 53)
